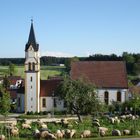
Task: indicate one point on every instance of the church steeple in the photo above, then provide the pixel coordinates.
(32, 39)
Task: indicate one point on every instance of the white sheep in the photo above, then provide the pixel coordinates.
(59, 134)
(116, 132)
(14, 131)
(126, 132)
(44, 125)
(26, 126)
(102, 133)
(96, 124)
(103, 129)
(86, 134)
(47, 135)
(72, 133)
(36, 133)
(2, 137)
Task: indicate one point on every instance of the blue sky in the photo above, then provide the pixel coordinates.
(70, 27)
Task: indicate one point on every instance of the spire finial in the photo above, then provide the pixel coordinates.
(31, 19)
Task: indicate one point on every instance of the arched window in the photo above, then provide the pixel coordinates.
(29, 67)
(43, 102)
(106, 97)
(33, 66)
(119, 96)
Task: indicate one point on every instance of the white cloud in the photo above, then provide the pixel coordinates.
(56, 54)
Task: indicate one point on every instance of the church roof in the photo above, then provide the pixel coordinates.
(103, 74)
(47, 87)
(32, 40)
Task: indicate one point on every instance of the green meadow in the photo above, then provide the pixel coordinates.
(46, 71)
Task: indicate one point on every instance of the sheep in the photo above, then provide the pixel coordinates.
(27, 121)
(26, 126)
(47, 135)
(67, 133)
(116, 132)
(59, 134)
(126, 132)
(102, 133)
(123, 117)
(96, 124)
(102, 130)
(86, 134)
(72, 133)
(64, 122)
(112, 120)
(14, 131)
(44, 125)
(95, 120)
(138, 132)
(36, 133)
(2, 137)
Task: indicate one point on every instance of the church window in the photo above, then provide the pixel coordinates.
(65, 104)
(119, 96)
(29, 67)
(54, 102)
(33, 66)
(106, 97)
(31, 99)
(31, 79)
(43, 102)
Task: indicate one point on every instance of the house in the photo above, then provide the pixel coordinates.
(109, 78)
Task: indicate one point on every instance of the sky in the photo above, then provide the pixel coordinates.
(70, 27)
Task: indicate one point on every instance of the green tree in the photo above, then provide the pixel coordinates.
(68, 62)
(79, 95)
(6, 82)
(4, 102)
(12, 69)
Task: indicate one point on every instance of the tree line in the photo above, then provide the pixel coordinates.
(132, 60)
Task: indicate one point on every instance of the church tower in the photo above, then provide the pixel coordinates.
(32, 73)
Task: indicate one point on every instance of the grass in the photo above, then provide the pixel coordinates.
(86, 124)
(46, 71)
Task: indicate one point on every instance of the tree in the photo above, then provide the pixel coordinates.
(12, 69)
(79, 95)
(68, 62)
(6, 82)
(4, 102)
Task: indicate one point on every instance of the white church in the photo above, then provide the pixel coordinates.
(110, 78)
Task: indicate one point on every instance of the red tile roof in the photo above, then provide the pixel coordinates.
(47, 87)
(13, 79)
(103, 74)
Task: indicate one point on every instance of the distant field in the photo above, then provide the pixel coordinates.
(45, 71)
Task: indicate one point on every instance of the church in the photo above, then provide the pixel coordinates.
(35, 95)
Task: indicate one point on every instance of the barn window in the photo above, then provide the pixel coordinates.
(119, 96)
(106, 97)
(43, 102)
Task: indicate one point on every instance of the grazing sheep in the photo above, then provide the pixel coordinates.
(126, 132)
(64, 122)
(2, 137)
(102, 133)
(47, 135)
(116, 132)
(44, 134)
(123, 117)
(103, 129)
(67, 133)
(59, 134)
(14, 131)
(86, 134)
(96, 124)
(95, 120)
(36, 133)
(72, 133)
(117, 121)
(28, 121)
(26, 126)
(112, 120)
(44, 125)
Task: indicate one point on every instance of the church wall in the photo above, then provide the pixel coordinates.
(112, 94)
(50, 104)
